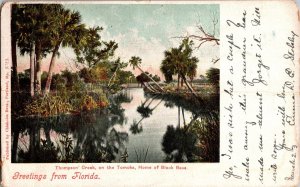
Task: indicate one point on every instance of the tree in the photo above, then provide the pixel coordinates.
(135, 63)
(142, 78)
(170, 65)
(33, 24)
(91, 50)
(71, 78)
(156, 78)
(213, 76)
(181, 62)
(58, 82)
(45, 17)
(117, 65)
(23, 33)
(67, 31)
(96, 74)
(124, 77)
(100, 73)
(202, 35)
(86, 75)
(192, 69)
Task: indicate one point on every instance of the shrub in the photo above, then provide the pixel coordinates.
(47, 106)
(88, 103)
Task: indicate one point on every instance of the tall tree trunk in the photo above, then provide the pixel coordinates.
(154, 90)
(193, 91)
(182, 110)
(35, 78)
(188, 85)
(179, 116)
(38, 84)
(157, 105)
(178, 82)
(146, 85)
(50, 72)
(15, 78)
(32, 79)
(181, 83)
(113, 76)
(151, 79)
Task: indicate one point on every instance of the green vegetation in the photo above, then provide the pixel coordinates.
(38, 34)
(181, 62)
(85, 107)
(213, 75)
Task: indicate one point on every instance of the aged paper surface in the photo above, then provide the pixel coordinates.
(199, 93)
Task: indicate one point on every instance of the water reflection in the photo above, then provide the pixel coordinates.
(145, 111)
(137, 127)
(196, 140)
(87, 137)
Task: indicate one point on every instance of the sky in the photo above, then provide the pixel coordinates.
(146, 31)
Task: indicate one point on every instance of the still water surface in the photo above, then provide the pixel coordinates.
(132, 129)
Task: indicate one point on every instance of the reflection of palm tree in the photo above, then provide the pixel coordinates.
(183, 117)
(169, 104)
(144, 109)
(15, 145)
(134, 128)
(180, 146)
(197, 141)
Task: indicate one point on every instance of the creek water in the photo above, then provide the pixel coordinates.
(136, 127)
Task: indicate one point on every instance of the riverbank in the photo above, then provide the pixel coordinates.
(202, 92)
(58, 102)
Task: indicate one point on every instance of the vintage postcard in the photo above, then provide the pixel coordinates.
(150, 93)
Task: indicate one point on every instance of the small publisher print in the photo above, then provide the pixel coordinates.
(114, 83)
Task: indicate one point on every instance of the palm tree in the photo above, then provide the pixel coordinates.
(67, 32)
(23, 28)
(181, 62)
(45, 19)
(192, 69)
(30, 28)
(171, 64)
(135, 63)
